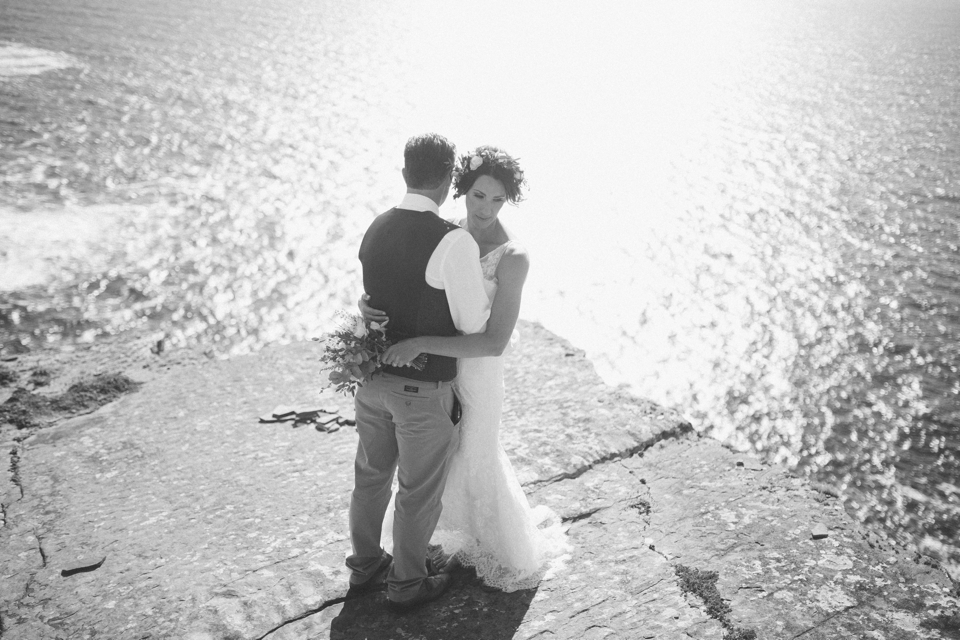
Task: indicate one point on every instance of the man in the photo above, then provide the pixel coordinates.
(425, 274)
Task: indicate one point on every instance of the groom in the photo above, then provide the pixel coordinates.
(425, 274)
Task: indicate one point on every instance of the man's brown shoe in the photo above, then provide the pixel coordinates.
(430, 589)
(375, 580)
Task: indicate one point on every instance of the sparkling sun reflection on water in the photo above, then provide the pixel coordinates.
(748, 210)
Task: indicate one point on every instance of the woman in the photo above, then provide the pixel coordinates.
(486, 518)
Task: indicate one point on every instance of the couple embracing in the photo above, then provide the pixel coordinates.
(450, 291)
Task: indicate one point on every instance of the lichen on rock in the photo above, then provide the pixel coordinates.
(25, 409)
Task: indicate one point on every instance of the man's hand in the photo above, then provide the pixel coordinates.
(369, 313)
(402, 353)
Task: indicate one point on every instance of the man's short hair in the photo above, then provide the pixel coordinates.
(427, 159)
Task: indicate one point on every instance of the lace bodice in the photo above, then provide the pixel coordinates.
(489, 263)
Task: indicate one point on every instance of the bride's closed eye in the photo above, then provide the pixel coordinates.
(479, 195)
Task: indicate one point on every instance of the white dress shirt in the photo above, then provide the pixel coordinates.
(454, 266)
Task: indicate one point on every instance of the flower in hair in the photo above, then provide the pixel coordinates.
(475, 163)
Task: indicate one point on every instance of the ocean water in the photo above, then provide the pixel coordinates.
(748, 210)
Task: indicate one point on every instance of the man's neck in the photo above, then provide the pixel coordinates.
(433, 194)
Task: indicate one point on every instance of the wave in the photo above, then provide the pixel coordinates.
(20, 60)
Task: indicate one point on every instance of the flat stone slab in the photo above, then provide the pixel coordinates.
(214, 525)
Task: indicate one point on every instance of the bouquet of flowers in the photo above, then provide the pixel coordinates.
(352, 353)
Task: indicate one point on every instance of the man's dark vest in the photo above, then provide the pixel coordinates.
(394, 253)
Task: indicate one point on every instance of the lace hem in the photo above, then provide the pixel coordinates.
(550, 554)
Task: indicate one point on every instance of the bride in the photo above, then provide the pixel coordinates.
(487, 522)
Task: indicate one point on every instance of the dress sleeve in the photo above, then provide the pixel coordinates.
(455, 268)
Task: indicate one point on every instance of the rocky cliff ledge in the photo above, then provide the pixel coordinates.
(172, 513)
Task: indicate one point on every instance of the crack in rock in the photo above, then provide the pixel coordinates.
(582, 516)
(43, 554)
(588, 608)
(597, 626)
(827, 619)
(650, 586)
(724, 552)
(306, 614)
(15, 471)
(271, 564)
(641, 504)
(261, 568)
(677, 431)
(653, 547)
(542, 634)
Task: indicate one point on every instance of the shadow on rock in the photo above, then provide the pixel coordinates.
(467, 611)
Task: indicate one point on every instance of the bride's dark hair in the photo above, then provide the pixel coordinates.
(494, 162)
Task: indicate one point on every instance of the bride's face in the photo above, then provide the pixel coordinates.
(484, 201)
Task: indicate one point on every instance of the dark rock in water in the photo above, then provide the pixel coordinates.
(23, 409)
(825, 489)
(7, 377)
(41, 377)
(82, 564)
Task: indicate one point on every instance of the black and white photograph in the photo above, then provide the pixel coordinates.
(423, 320)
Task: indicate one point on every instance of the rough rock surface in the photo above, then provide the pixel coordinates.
(213, 525)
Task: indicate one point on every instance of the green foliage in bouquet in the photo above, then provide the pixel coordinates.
(352, 353)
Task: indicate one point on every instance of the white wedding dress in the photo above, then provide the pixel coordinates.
(486, 517)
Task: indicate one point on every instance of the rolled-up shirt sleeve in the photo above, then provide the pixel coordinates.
(455, 268)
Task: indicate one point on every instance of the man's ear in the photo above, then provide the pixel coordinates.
(403, 172)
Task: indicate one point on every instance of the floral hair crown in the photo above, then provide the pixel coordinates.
(502, 166)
